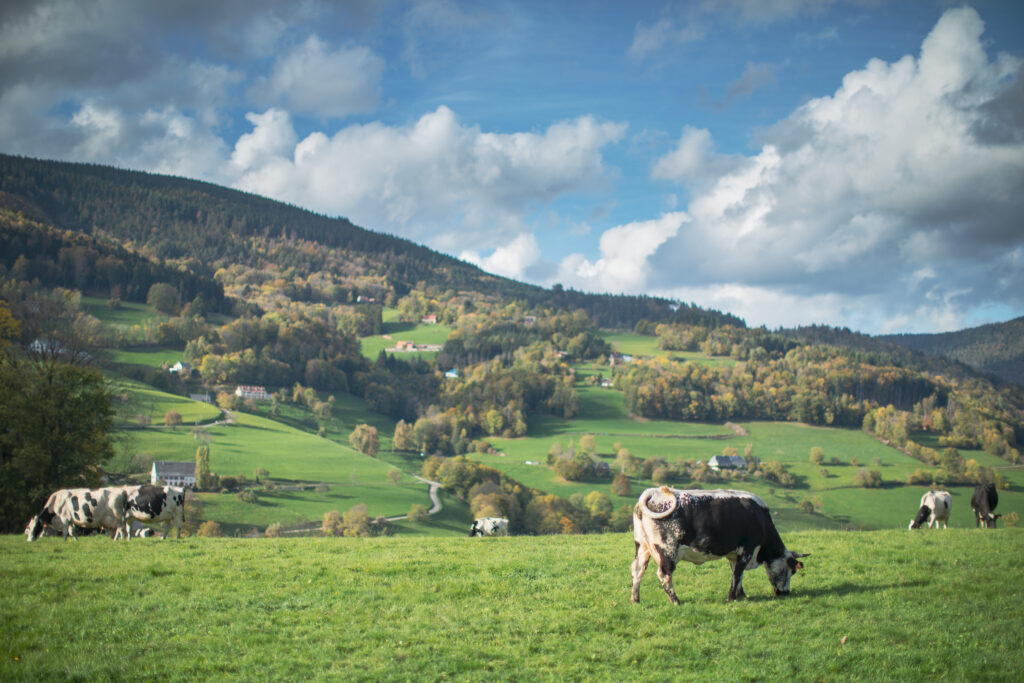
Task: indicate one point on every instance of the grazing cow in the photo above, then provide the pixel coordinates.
(935, 507)
(144, 533)
(489, 526)
(67, 510)
(697, 526)
(983, 502)
(151, 504)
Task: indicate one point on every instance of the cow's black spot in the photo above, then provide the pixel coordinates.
(74, 503)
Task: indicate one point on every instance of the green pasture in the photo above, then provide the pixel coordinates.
(642, 346)
(840, 502)
(127, 314)
(153, 403)
(393, 332)
(885, 605)
(293, 508)
(153, 357)
(252, 441)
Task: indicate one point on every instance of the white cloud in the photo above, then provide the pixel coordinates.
(313, 79)
(666, 32)
(435, 180)
(622, 266)
(510, 260)
(881, 180)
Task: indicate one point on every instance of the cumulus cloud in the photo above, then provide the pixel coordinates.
(886, 178)
(510, 260)
(435, 180)
(624, 249)
(313, 79)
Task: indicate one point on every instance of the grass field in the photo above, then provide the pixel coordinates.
(153, 357)
(127, 314)
(155, 404)
(888, 605)
(395, 331)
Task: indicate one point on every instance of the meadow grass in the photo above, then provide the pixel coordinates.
(289, 450)
(155, 404)
(153, 357)
(393, 332)
(887, 605)
(127, 314)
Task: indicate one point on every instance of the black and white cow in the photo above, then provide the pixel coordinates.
(68, 510)
(151, 504)
(983, 502)
(489, 526)
(935, 508)
(697, 526)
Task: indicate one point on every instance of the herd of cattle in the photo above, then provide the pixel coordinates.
(669, 525)
(74, 512)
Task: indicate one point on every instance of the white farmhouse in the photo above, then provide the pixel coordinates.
(173, 473)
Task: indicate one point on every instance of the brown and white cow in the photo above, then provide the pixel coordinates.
(935, 508)
(68, 510)
(152, 504)
(697, 526)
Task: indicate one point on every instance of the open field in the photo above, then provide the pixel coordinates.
(152, 356)
(887, 605)
(395, 331)
(290, 451)
(127, 314)
(154, 404)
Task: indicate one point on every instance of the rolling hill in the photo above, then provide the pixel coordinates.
(996, 349)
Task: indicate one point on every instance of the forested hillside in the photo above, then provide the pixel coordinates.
(248, 240)
(996, 349)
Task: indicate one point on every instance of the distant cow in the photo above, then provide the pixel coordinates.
(151, 504)
(144, 533)
(935, 507)
(697, 526)
(68, 510)
(489, 526)
(983, 502)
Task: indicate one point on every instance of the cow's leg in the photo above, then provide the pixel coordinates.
(639, 566)
(739, 565)
(666, 558)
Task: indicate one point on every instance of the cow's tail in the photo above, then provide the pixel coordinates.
(664, 503)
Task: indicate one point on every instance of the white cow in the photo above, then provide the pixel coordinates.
(935, 507)
(151, 504)
(489, 526)
(67, 510)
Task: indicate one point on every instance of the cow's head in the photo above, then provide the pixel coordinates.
(781, 570)
(38, 524)
(34, 529)
(990, 520)
(922, 515)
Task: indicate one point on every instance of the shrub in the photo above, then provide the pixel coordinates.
(331, 525)
(273, 531)
(621, 486)
(869, 479)
(248, 496)
(209, 529)
(172, 419)
(417, 513)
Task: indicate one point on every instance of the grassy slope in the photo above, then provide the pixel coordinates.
(394, 331)
(878, 605)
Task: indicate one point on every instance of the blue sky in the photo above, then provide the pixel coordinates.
(855, 163)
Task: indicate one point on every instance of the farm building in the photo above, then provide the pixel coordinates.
(182, 367)
(259, 393)
(727, 462)
(173, 473)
